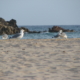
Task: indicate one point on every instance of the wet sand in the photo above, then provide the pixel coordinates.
(40, 59)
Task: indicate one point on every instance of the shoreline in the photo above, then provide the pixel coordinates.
(44, 39)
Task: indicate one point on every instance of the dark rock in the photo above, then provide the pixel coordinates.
(12, 22)
(57, 28)
(34, 31)
(37, 31)
(2, 21)
(10, 27)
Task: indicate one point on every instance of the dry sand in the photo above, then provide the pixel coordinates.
(40, 59)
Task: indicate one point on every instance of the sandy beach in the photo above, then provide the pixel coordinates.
(40, 59)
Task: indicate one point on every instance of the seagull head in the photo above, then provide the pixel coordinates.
(21, 31)
(60, 31)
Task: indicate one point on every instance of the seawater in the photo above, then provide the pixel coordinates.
(49, 35)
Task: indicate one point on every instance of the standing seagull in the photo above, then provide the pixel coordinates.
(61, 35)
(19, 35)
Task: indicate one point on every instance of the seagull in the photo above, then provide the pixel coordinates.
(4, 36)
(61, 35)
(18, 35)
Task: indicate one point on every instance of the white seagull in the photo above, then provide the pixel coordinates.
(61, 35)
(4, 36)
(19, 35)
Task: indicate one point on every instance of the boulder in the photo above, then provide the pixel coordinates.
(3, 22)
(10, 27)
(57, 28)
(12, 22)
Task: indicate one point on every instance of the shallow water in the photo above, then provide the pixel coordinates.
(49, 35)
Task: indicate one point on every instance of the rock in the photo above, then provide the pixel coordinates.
(10, 27)
(34, 31)
(12, 22)
(3, 22)
(57, 28)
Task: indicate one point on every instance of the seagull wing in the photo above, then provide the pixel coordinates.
(16, 35)
(56, 36)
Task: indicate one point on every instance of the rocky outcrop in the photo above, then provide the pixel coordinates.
(57, 28)
(9, 27)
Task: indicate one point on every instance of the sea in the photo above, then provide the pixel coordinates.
(47, 34)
